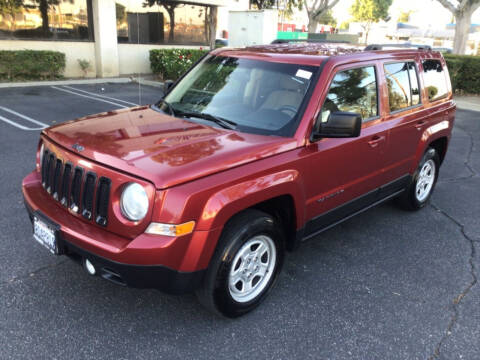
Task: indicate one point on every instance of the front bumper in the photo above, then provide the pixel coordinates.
(173, 265)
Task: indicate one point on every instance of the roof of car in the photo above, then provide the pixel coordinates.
(311, 53)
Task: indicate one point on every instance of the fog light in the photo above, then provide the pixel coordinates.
(89, 267)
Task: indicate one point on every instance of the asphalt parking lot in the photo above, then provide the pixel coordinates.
(387, 284)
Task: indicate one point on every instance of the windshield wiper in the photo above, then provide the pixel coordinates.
(169, 106)
(227, 124)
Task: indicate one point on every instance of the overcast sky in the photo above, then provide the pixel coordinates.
(426, 12)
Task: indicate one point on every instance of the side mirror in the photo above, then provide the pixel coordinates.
(167, 85)
(339, 125)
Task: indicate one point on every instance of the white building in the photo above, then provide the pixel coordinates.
(115, 36)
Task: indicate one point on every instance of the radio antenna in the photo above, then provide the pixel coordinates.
(138, 73)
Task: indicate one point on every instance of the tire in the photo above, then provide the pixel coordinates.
(251, 243)
(420, 189)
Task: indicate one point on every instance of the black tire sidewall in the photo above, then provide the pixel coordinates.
(430, 154)
(233, 241)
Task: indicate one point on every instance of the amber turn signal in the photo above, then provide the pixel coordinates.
(170, 229)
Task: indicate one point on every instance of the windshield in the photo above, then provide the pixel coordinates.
(255, 96)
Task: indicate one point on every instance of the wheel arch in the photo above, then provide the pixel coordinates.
(436, 136)
(440, 145)
(279, 195)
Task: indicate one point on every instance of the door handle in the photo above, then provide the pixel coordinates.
(376, 140)
(420, 124)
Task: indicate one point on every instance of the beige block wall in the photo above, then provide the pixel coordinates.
(135, 58)
(72, 50)
(132, 58)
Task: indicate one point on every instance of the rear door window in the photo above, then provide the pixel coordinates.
(434, 78)
(402, 82)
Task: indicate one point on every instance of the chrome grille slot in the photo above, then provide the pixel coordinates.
(87, 200)
(45, 168)
(50, 173)
(103, 195)
(76, 189)
(56, 179)
(67, 177)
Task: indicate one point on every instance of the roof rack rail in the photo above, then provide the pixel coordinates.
(288, 41)
(400, 46)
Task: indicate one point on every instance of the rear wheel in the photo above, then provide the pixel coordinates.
(245, 265)
(423, 182)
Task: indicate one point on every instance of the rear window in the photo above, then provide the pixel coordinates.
(434, 78)
(402, 82)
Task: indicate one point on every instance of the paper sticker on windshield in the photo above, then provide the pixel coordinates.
(303, 74)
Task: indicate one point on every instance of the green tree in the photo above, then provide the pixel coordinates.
(285, 6)
(10, 7)
(404, 16)
(121, 13)
(44, 6)
(169, 6)
(315, 10)
(262, 4)
(345, 25)
(462, 10)
(327, 18)
(211, 20)
(369, 12)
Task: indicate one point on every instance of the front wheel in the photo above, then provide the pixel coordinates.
(245, 265)
(423, 182)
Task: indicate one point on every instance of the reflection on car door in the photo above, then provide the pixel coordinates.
(406, 117)
(346, 173)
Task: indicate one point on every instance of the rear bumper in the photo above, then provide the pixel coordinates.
(172, 265)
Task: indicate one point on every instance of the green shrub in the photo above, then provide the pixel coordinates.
(170, 64)
(31, 65)
(84, 65)
(464, 73)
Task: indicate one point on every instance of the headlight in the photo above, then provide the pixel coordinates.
(134, 202)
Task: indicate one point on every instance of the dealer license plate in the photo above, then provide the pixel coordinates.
(45, 234)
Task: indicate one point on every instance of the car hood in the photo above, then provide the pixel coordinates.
(162, 149)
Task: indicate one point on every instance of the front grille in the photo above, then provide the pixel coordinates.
(73, 189)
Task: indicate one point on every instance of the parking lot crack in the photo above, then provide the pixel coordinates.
(466, 163)
(31, 273)
(459, 298)
(469, 156)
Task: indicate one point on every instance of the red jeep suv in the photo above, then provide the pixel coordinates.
(250, 153)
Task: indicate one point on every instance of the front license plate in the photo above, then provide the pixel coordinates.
(45, 234)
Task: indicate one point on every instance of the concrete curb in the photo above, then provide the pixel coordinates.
(468, 102)
(149, 82)
(121, 80)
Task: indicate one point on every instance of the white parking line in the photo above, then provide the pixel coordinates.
(90, 97)
(99, 95)
(25, 117)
